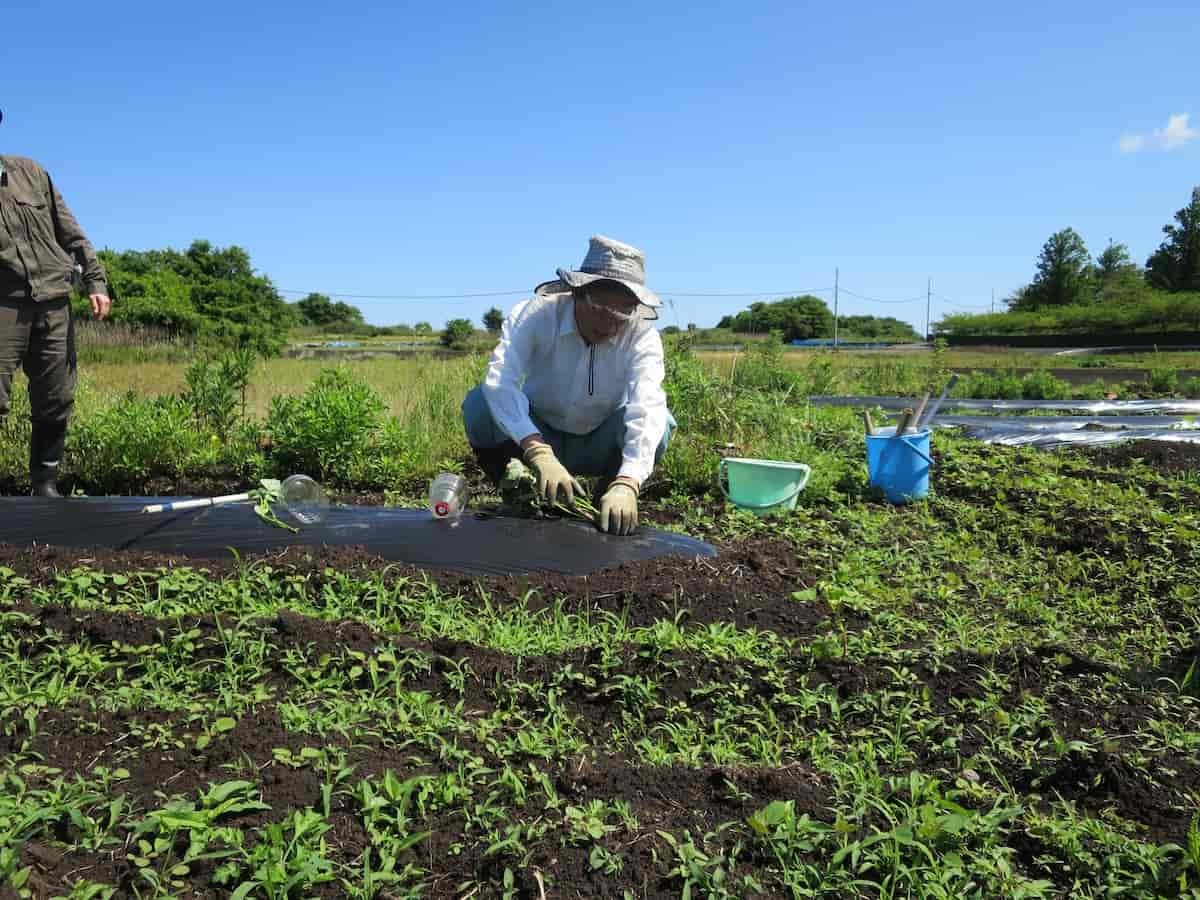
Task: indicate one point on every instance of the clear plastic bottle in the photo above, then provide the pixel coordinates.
(448, 495)
(304, 499)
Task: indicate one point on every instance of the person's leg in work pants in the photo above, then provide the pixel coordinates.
(595, 453)
(40, 337)
(599, 452)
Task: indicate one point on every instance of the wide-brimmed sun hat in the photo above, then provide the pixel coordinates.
(606, 260)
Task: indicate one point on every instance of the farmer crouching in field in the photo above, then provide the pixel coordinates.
(574, 386)
(40, 245)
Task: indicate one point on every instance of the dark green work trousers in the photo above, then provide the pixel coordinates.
(40, 337)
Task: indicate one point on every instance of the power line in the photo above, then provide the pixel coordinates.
(846, 290)
(479, 294)
(958, 305)
(793, 292)
(474, 295)
(406, 296)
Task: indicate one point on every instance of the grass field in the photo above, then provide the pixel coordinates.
(723, 361)
(991, 693)
(401, 383)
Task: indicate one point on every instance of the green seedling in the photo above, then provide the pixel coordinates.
(306, 757)
(219, 726)
(289, 859)
(264, 496)
(519, 496)
(160, 862)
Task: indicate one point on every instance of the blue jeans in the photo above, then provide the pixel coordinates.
(597, 453)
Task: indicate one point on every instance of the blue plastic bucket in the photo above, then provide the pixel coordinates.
(899, 466)
(762, 486)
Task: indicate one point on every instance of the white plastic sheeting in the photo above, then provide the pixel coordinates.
(1092, 407)
(1061, 431)
(1096, 423)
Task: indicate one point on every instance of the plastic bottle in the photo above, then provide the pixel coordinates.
(448, 495)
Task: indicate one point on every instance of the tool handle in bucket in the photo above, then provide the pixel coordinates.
(722, 471)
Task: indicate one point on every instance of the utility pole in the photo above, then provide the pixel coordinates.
(928, 301)
(993, 299)
(835, 309)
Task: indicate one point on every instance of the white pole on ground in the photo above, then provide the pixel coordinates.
(194, 504)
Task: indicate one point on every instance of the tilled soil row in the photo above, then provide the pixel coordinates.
(595, 701)
(748, 585)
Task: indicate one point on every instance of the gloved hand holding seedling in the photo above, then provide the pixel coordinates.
(553, 479)
(520, 496)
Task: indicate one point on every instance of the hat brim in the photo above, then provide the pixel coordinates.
(570, 279)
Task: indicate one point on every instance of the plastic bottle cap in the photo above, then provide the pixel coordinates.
(441, 508)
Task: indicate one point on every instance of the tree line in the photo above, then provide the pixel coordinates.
(1072, 292)
(799, 318)
(210, 294)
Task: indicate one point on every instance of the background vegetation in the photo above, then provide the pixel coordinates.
(1073, 294)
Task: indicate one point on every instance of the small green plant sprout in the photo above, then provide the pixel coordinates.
(156, 853)
(386, 809)
(518, 490)
(218, 727)
(306, 757)
(779, 815)
(587, 823)
(263, 496)
(606, 861)
(289, 860)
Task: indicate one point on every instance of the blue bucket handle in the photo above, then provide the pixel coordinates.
(917, 450)
(721, 470)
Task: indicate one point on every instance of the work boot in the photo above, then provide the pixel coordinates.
(45, 452)
(45, 479)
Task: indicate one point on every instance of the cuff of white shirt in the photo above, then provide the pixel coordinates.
(638, 471)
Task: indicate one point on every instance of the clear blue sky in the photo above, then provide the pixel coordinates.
(363, 148)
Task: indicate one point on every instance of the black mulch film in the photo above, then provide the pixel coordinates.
(474, 544)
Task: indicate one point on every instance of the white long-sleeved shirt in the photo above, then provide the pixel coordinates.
(542, 362)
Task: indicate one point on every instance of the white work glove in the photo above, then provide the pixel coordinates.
(619, 508)
(552, 476)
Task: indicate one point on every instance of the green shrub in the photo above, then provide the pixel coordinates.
(735, 416)
(14, 434)
(328, 430)
(216, 389)
(1164, 379)
(819, 376)
(1144, 310)
(763, 367)
(883, 377)
(387, 462)
(992, 386)
(457, 334)
(135, 439)
(1041, 385)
